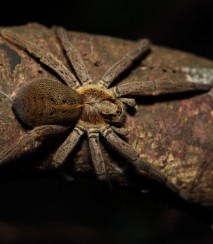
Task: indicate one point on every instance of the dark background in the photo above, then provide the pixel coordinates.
(182, 24)
(35, 207)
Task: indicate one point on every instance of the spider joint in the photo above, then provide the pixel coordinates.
(79, 130)
(88, 82)
(115, 91)
(106, 131)
(102, 83)
(93, 132)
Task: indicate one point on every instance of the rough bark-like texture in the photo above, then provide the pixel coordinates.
(174, 133)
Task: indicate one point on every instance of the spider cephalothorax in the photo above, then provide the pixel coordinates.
(100, 106)
(50, 107)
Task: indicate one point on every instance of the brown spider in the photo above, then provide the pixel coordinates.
(51, 107)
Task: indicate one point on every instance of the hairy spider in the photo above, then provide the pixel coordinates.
(50, 107)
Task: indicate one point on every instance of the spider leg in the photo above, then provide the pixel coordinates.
(30, 140)
(157, 87)
(67, 147)
(96, 155)
(120, 130)
(73, 56)
(124, 63)
(44, 56)
(130, 154)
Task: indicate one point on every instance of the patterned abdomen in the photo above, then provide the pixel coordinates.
(45, 102)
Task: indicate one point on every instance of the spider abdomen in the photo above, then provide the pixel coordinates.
(46, 102)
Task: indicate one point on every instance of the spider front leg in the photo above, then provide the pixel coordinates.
(124, 63)
(130, 154)
(45, 57)
(141, 88)
(35, 137)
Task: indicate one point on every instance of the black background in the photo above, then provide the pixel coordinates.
(182, 24)
(46, 207)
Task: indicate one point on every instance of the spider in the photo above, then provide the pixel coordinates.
(50, 107)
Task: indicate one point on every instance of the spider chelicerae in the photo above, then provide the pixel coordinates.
(50, 107)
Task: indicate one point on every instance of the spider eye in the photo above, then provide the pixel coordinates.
(118, 111)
